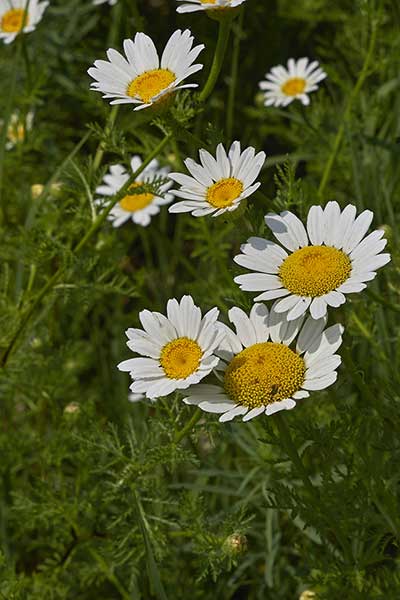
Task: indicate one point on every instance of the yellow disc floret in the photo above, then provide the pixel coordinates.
(264, 373)
(224, 192)
(315, 270)
(134, 202)
(180, 358)
(149, 84)
(294, 86)
(13, 20)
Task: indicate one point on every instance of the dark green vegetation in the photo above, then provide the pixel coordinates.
(97, 501)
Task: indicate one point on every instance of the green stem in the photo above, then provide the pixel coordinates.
(230, 111)
(100, 148)
(121, 193)
(109, 574)
(339, 136)
(291, 451)
(8, 111)
(179, 435)
(223, 36)
(95, 226)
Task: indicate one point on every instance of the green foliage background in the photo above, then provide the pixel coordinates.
(101, 503)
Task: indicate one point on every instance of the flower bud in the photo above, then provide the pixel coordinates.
(72, 408)
(307, 595)
(37, 190)
(235, 544)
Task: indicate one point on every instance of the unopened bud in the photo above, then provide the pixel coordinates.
(56, 189)
(235, 544)
(37, 190)
(307, 595)
(72, 408)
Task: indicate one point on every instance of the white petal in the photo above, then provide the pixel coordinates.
(254, 413)
(234, 412)
(316, 225)
(312, 329)
(318, 308)
(321, 383)
(257, 282)
(244, 327)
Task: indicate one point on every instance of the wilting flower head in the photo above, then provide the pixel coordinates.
(261, 372)
(16, 16)
(138, 207)
(323, 263)
(218, 184)
(179, 348)
(195, 5)
(293, 83)
(140, 78)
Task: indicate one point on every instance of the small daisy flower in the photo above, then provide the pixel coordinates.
(18, 128)
(16, 16)
(323, 263)
(261, 372)
(294, 83)
(218, 184)
(178, 349)
(189, 6)
(140, 78)
(138, 207)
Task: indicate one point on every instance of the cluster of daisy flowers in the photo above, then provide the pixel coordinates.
(274, 357)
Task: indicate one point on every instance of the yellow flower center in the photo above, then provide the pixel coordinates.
(264, 373)
(13, 20)
(180, 358)
(224, 192)
(315, 270)
(294, 86)
(134, 202)
(149, 84)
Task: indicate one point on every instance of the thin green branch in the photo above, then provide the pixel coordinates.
(223, 36)
(230, 111)
(179, 435)
(91, 231)
(350, 102)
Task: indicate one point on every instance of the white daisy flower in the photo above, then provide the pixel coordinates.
(261, 372)
(17, 128)
(17, 15)
(189, 6)
(139, 78)
(296, 82)
(179, 348)
(328, 260)
(218, 184)
(110, 2)
(138, 207)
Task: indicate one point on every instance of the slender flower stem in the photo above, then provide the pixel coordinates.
(230, 111)
(121, 193)
(339, 136)
(291, 451)
(100, 148)
(8, 110)
(223, 36)
(179, 435)
(95, 226)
